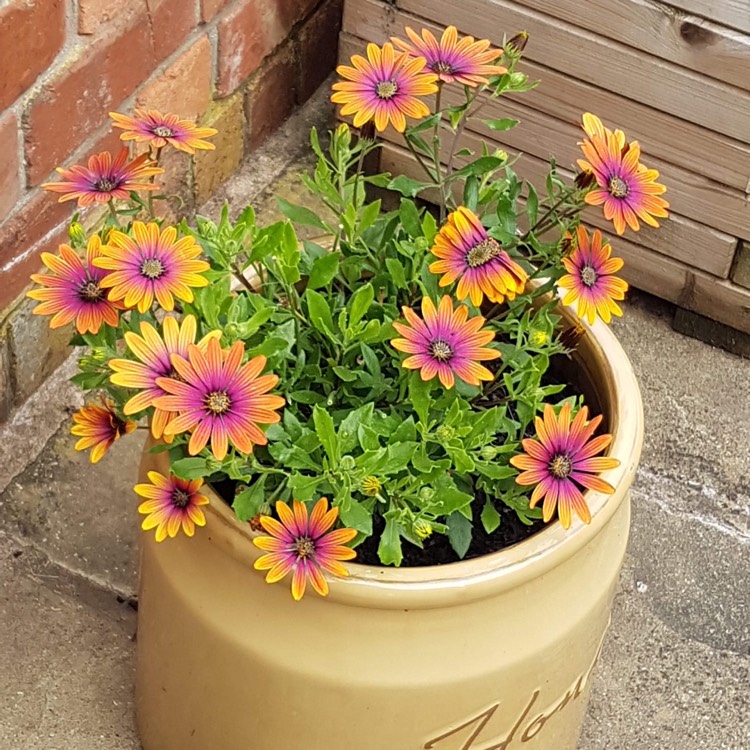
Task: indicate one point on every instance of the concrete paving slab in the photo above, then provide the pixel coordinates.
(66, 658)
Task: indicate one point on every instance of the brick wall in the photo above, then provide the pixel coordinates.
(238, 65)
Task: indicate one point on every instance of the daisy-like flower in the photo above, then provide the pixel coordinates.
(73, 291)
(105, 179)
(626, 188)
(150, 264)
(99, 427)
(153, 352)
(384, 87)
(446, 343)
(159, 130)
(304, 546)
(467, 253)
(171, 503)
(563, 457)
(590, 278)
(219, 399)
(463, 60)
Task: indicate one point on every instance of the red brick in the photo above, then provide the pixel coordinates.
(318, 48)
(185, 86)
(246, 37)
(271, 97)
(172, 21)
(38, 226)
(32, 32)
(292, 11)
(10, 185)
(68, 109)
(210, 8)
(95, 13)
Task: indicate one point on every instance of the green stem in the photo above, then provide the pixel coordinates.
(436, 154)
(420, 161)
(152, 180)
(113, 212)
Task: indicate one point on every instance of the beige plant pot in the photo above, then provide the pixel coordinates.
(494, 653)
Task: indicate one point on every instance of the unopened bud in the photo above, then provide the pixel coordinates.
(517, 43)
(422, 529)
(488, 452)
(538, 337)
(344, 134)
(584, 179)
(347, 463)
(426, 495)
(231, 330)
(213, 465)
(371, 486)
(76, 234)
(445, 433)
(501, 154)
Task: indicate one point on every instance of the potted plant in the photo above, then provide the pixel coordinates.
(402, 416)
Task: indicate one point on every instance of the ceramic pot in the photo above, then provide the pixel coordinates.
(494, 653)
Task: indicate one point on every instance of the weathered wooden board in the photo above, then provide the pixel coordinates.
(571, 50)
(680, 238)
(724, 160)
(658, 29)
(644, 269)
(734, 13)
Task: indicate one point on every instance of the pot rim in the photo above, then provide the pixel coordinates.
(599, 355)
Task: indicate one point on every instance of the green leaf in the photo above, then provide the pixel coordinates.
(356, 516)
(448, 498)
(323, 271)
(532, 204)
(326, 431)
(459, 533)
(345, 374)
(419, 395)
(490, 517)
(409, 216)
(389, 549)
(369, 215)
(406, 186)
(471, 192)
(479, 167)
(320, 313)
(190, 468)
(506, 123)
(461, 459)
(300, 214)
(360, 303)
(247, 503)
(396, 270)
(306, 397)
(303, 487)
(349, 427)
(398, 457)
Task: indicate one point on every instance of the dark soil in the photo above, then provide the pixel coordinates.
(437, 549)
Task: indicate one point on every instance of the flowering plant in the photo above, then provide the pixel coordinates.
(401, 364)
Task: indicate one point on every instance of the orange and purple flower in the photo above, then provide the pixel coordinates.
(304, 546)
(171, 503)
(626, 188)
(159, 130)
(104, 179)
(446, 343)
(563, 457)
(219, 399)
(151, 263)
(153, 352)
(463, 61)
(590, 278)
(99, 427)
(384, 87)
(73, 291)
(467, 253)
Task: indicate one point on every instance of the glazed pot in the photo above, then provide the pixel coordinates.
(493, 653)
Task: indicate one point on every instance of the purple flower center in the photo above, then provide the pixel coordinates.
(483, 253)
(561, 466)
(163, 131)
(90, 291)
(218, 402)
(589, 276)
(386, 89)
(152, 268)
(180, 498)
(441, 66)
(105, 184)
(441, 350)
(304, 546)
(617, 187)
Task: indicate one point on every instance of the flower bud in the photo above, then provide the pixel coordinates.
(538, 337)
(422, 529)
(517, 43)
(500, 154)
(426, 495)
(488, 452)
(213, 465)
(371, 486)
(347, 463)
(445, 433)
(76, 234)
(344, 134)
(231, 330)
(584, 179)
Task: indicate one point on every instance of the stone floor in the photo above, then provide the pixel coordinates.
(675, 671)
